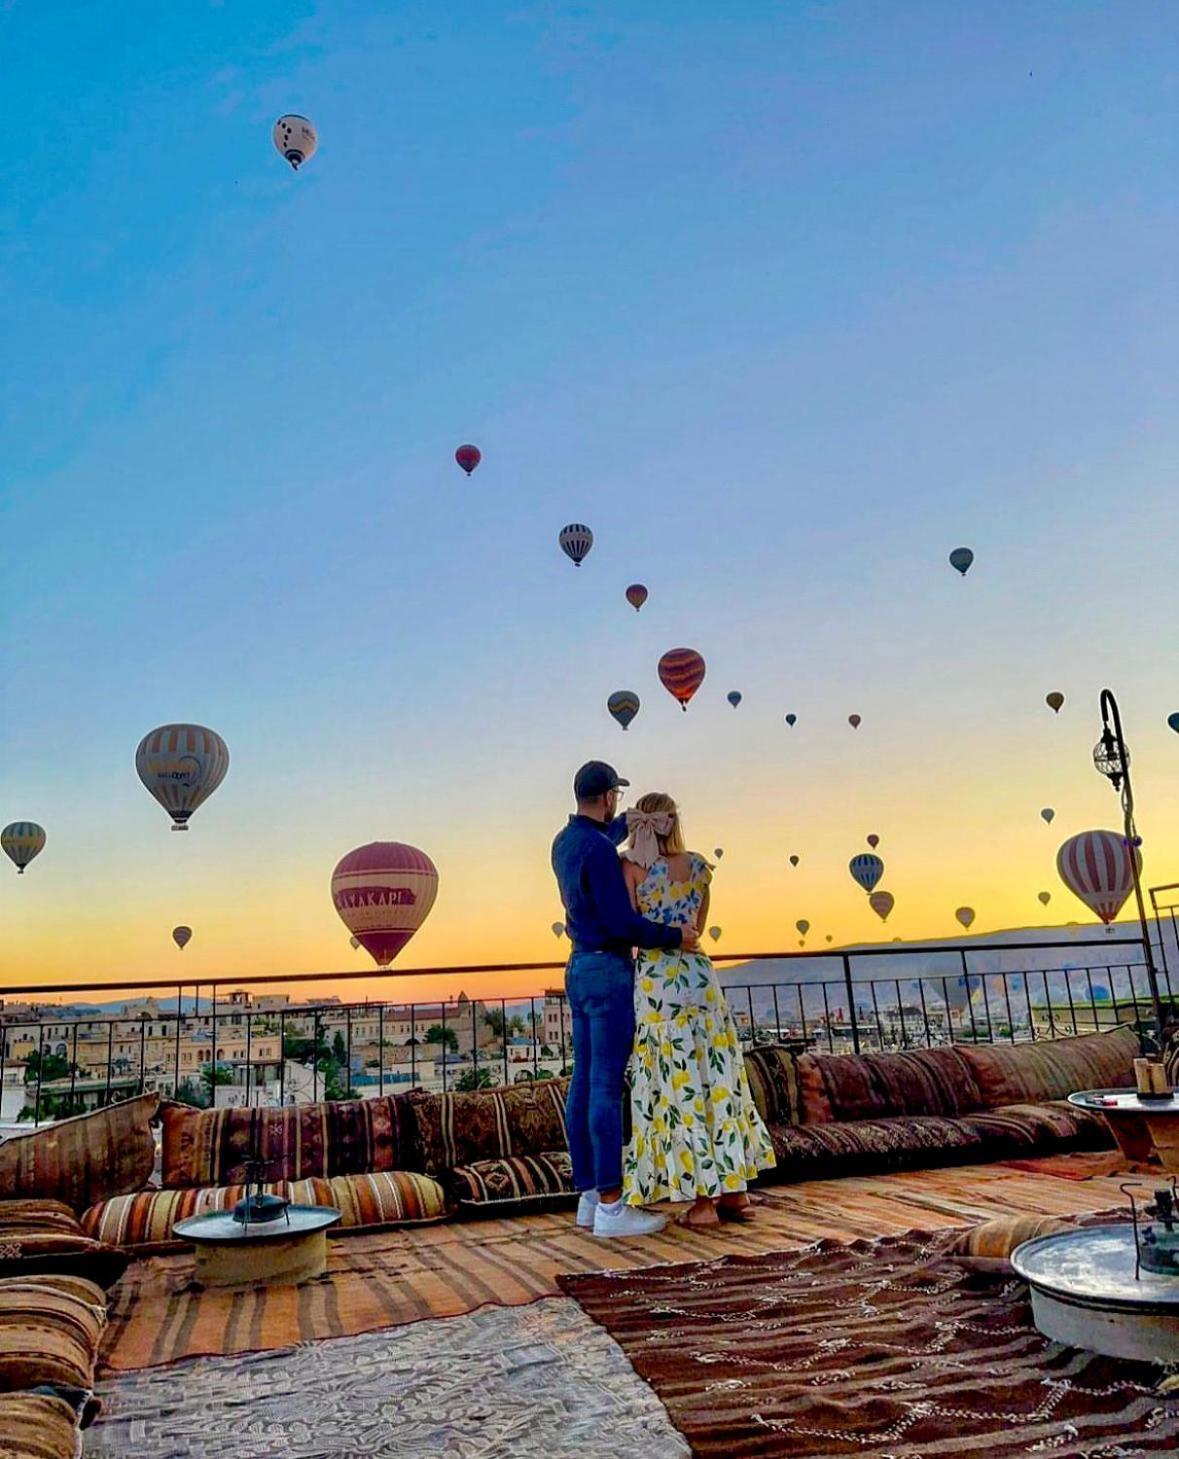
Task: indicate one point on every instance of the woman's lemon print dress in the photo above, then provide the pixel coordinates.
(695, 1128)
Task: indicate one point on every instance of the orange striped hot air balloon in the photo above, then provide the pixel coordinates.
(636, 595)
(181, 765)
(681, 672)
(383, 893)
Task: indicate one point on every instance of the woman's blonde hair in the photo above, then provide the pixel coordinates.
(658, 800)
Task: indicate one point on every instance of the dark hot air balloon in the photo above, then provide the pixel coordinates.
(866, 869)
(21, 842)
(636, 596)
(681, 672)
(873, 840)
(854, 721)
(468, 457)
(714, 933)
(383, 893)
(792, 720)
(1047, 815)
(961, 558)
(718, 852)
(965, 915)
(1173, 721)
(181, 765)
(882, 904)
(794, 861)
(575, 541)
(1054, 701)
(803, 926)
(181, 936)
(623, 704)
(1045, 898)
(734, 697)
(558, 929)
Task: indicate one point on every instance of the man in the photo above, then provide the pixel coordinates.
(599, 983)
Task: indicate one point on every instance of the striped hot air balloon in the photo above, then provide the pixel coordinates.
(181, 765)
(575, 541)
(383, 893)
(1096, 866)
(623, 706)
(681, 672)
(636, 595)
(867, 869)
(22, 840)
(882, 904)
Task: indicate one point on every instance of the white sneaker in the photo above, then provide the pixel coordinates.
(586, 1207)
(619, 1219)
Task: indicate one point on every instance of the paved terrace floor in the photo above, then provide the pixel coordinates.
(469, 1348)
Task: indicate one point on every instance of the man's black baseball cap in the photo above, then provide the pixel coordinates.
(595, 778)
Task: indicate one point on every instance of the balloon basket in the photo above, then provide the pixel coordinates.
(178, 827)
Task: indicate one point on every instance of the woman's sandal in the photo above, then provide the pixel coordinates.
(746, 1212)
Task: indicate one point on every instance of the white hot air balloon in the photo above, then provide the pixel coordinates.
(181, 765)
(296, 138)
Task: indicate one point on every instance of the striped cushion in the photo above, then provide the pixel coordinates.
(386, 1198)
(852, 1092)
(988, 1246)
(1052, 1068)
(84, 1159)
(852, 1147)
(49, 1331)
(203, 1147)
(1052, 1128)
(926, 1082)
(1171, 1059)
(39, 1237)
(528, 1181)
(38, 1426)
(812, 1091)
(492, 1124)
(773, 1080)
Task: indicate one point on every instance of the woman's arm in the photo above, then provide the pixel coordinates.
(634, 875)
(702, 915)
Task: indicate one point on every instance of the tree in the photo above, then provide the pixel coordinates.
(339, 1048)
(212, 1075)
(41, 1068)
(190, 1092)
(447, 1037)
(494, 1019)
(546, 1052)
(473, 1079)
(515, 1024)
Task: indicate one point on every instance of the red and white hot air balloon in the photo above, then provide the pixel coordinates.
(383, 893)
(1096, 866)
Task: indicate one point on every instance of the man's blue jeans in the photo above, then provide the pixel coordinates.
(600, 987)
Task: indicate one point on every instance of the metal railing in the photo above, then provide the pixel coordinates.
(54, 1064)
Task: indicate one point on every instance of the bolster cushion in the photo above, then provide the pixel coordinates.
(50, 1329)
(38, 1426)
(515, 1183)
(773, 1077)
(383, 1198)
(84, 1159)
(1052, 1068)
(45, 1237)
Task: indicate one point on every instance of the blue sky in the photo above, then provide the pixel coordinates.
(784, 300)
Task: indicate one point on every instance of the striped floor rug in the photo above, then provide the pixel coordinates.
(397, 1277)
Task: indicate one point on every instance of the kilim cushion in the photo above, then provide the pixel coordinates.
(1171, 1058)
(385, 1198)
(773, 1080)
(44, 1237)
(812, 1091)
(854, 1147)
(1052, 1128)
(525, 1182)
(296, 1142)
(491, 1124)
(926, 1082)
(1052, 1068)
(38, 1426)
(49, 1331)
(84, 1159)
(988, 1246)
(852, 1091)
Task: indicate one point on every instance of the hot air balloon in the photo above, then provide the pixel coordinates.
(830, 938)
(296, 138)
(873, 840)
(354, 943)
(623, 705)
(181, 936)
(383, 893)
(1054, 701)
(718, 852)
(714, 933)
(681, 672)
(965, 915)
(882, 904)
(1048, 815)
(1173, 721)
(803, 926)
(866, 869)
(576, 540)
(794, 861)
(1096, 866)
(1045, 898)
(181, 765)
(792, 720)
(636, 596)
(854, 721)
(22, 840)
(558, 930)
(468, 457)
(734, 697)
(961, 558)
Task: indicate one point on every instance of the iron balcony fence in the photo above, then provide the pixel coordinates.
(246, 1048)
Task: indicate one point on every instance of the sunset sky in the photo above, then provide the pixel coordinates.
(784, 300)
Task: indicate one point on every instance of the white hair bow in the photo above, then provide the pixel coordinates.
(644, 829)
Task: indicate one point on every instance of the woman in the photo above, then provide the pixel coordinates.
(696, 1133)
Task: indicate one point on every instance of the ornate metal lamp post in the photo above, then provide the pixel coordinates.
(1112, 759)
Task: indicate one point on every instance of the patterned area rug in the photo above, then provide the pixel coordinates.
(880, 1349)
(539, 1382)
(395, 1277)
